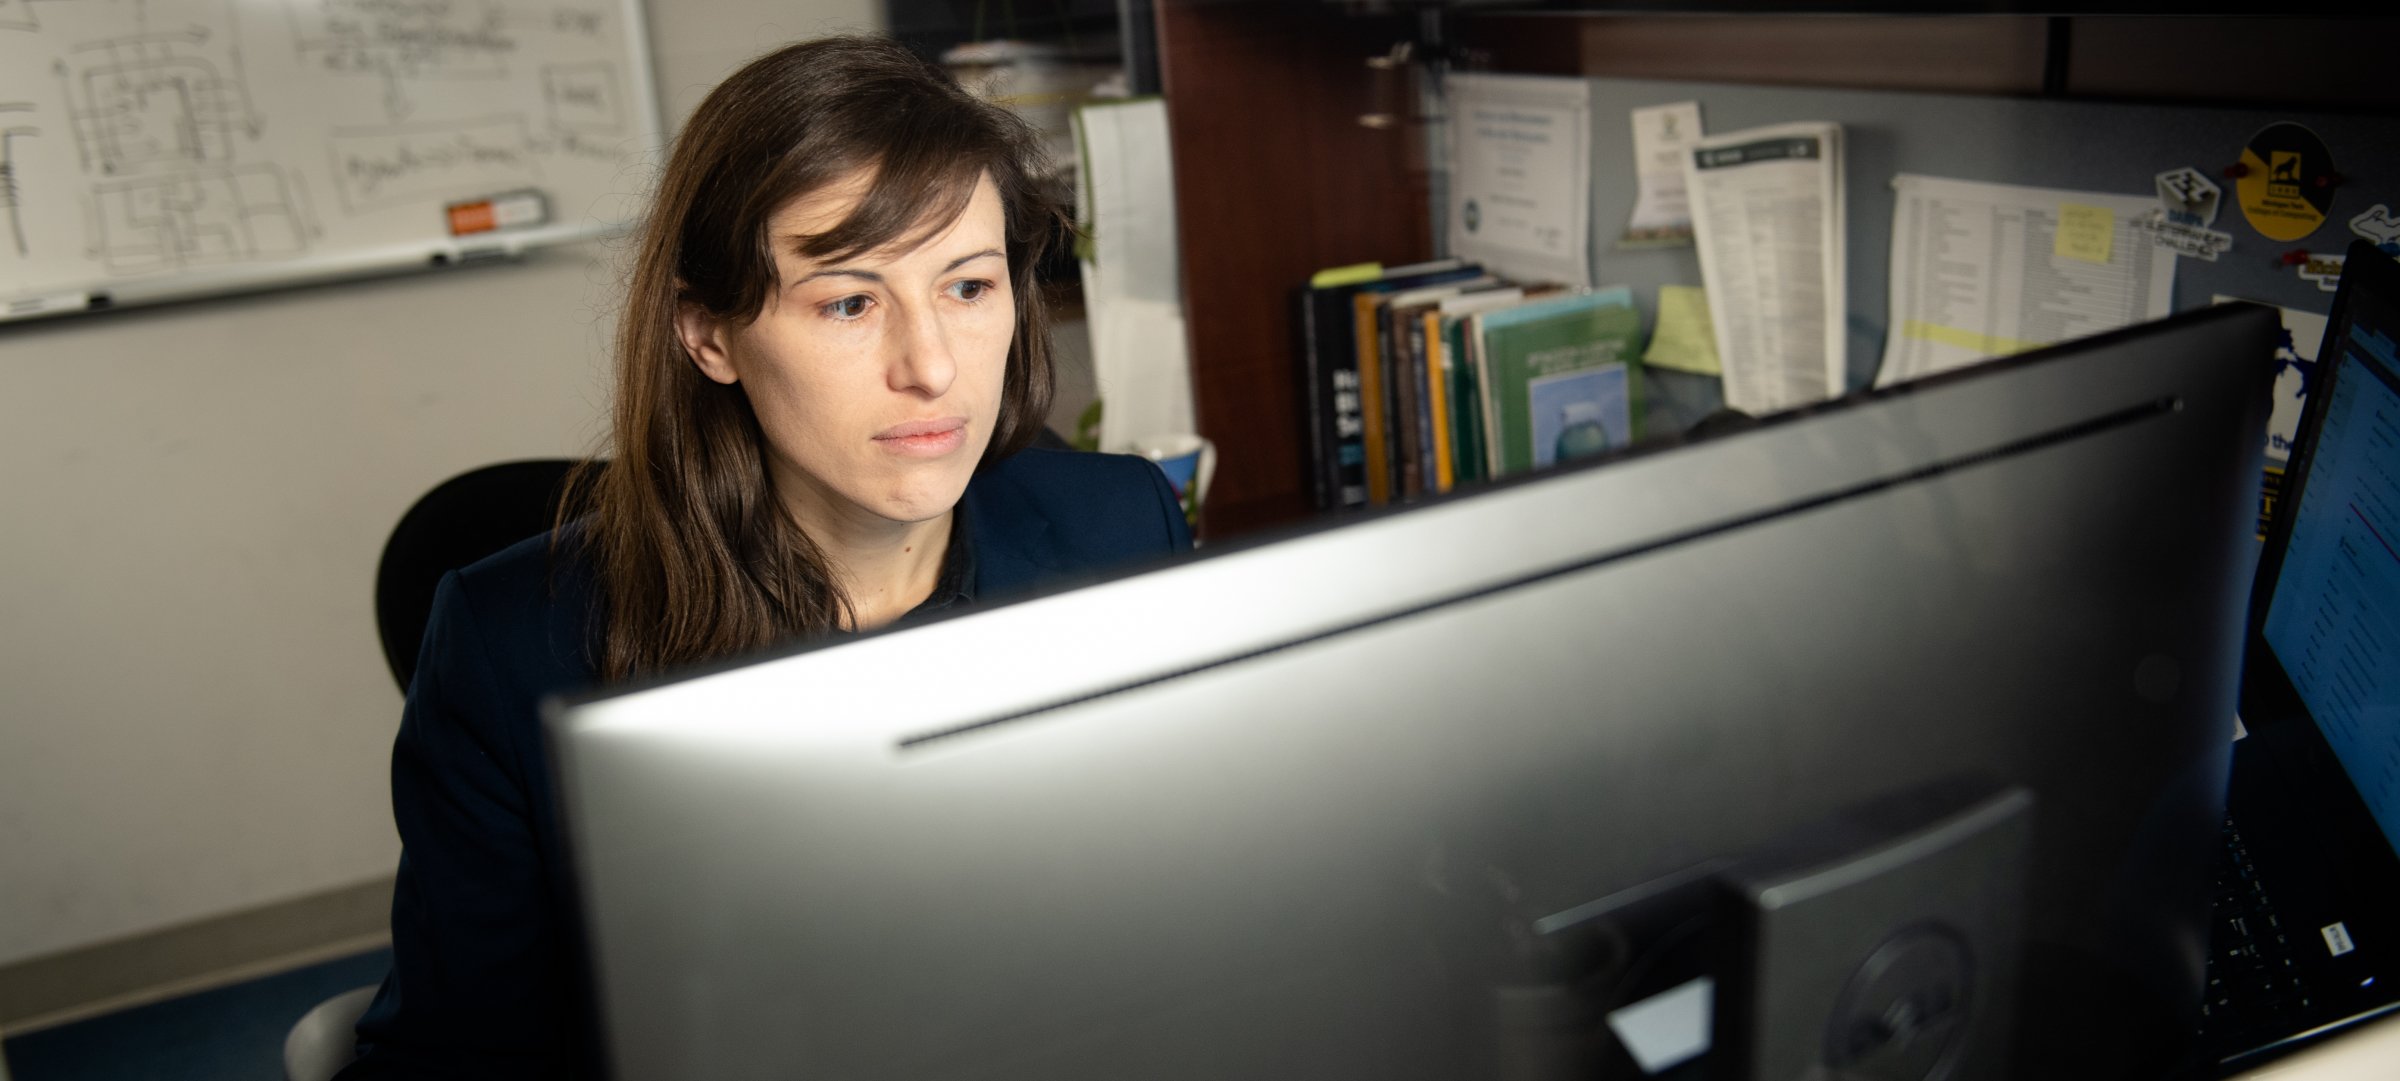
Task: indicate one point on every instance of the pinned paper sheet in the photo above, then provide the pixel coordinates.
(1662, 209)
(1521, 175)
(1767, 211)
(1972, 277)
(2085, 232)
(1684, 340)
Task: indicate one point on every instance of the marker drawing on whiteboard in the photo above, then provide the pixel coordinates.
(11, 194)
(375, 167)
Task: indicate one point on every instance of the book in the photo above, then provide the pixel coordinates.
(1559, 378)
(1402, 347)
(1328, 348)
(1437, 396)
(1461, 422)
(1374, 414)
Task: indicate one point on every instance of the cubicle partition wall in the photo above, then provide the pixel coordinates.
(2080, 146)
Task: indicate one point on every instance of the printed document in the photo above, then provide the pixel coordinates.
(1984, 270)
(1662, 136)
(1767, 218)
(1521, 175)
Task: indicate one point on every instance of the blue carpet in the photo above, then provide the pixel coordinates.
(228, 1034)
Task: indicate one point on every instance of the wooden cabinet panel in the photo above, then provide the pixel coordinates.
(1274, 180)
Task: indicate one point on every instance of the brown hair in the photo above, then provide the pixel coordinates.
(695, 558)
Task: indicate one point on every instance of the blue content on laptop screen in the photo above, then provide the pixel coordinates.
(2334, 618)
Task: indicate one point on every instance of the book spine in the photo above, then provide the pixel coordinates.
(1420, 381)
(1399, 366)
(1467, 405)
(1437, 372)
(1349, 428)
(1341, 463)
(1367, 356)
(1471, 438)
(1480, 349)
(1316, 389)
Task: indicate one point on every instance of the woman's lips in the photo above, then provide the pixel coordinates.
(924, 438)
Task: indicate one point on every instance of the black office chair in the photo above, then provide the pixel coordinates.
(461, 520)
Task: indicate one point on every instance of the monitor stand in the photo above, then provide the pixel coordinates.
(1881, 944)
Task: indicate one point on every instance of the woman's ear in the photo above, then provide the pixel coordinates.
(705, 340)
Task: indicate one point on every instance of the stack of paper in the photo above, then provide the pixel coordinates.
(1767, 218)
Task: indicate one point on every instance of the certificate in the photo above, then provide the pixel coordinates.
(1521, 175)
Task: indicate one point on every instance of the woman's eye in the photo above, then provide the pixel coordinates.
(849, 307)
(971, 290)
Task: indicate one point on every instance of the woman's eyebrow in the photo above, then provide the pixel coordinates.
(869, 275)
(969, 258)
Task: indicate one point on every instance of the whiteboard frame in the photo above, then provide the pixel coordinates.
(429, 254)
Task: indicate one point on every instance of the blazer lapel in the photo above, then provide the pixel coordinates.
(1014, 548)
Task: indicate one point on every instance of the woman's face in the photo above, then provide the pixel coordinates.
(876, 377)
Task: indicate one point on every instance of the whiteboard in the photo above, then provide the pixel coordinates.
(164, 149)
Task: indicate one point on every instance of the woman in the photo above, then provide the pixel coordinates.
(832, 353)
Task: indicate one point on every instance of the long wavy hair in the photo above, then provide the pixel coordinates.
(695, 558)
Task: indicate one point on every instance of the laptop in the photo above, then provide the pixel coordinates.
(2306, 939)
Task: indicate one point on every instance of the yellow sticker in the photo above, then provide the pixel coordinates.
(2088, 233)
(2286, 182)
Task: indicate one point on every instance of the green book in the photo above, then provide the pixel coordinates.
(1466, 404)
(1560, 378)
(1459, 370)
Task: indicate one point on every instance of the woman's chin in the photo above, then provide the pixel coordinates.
(920, 503)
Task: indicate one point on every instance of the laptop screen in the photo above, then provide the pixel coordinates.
(2334, 618)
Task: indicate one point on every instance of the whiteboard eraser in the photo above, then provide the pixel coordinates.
(513, 210)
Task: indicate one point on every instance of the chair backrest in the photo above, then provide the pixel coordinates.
(461, 520)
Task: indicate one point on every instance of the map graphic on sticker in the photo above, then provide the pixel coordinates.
(2286, 188)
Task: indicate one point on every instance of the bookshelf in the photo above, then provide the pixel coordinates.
(1276, 178)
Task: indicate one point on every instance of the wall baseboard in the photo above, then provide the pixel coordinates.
(70, 985)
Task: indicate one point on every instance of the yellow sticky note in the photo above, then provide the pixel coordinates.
(2088, 233)
(1685, 340)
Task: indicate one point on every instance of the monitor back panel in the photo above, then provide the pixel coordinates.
(1277, 811)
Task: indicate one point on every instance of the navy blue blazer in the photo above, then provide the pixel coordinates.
(488, 977)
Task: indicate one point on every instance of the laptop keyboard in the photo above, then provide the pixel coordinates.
(2253, 982)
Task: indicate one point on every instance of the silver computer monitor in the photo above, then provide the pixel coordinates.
(1274, 809)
